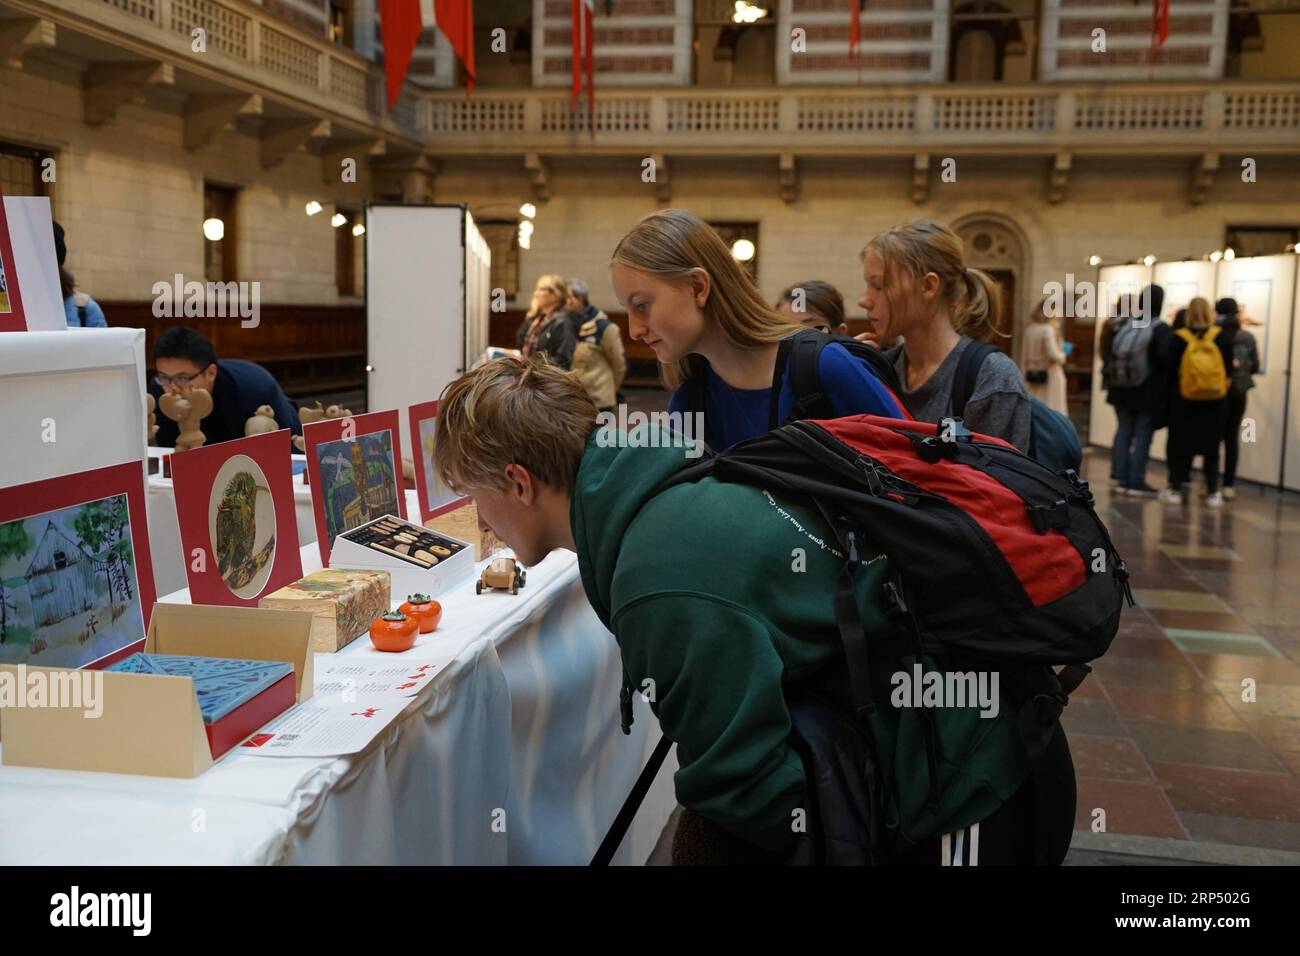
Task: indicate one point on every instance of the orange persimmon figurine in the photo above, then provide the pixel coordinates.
(393, 631)
(424, 609)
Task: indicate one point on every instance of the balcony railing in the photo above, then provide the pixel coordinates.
(246, 43)
(258, 52)
(1048, 116)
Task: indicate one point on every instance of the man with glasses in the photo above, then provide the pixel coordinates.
(184, 360)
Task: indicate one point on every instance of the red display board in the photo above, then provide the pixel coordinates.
(354, 466)
(239, 532)
(76, 580)
(435, 498)
(12, 318)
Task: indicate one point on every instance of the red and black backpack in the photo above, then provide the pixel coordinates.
(997, 561)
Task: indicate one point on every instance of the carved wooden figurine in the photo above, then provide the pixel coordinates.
(262, 421)
(310, 416)
(151, 404)
(187, 413)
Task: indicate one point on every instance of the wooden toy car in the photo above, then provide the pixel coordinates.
(504, 574)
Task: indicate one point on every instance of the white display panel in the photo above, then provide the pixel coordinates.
(1291, 473)
(426, 301)
(1112, 282)
(82, 388)
(1264, 287)
(32, 234)
(478, 292)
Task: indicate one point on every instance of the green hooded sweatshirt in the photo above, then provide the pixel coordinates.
(719, 594)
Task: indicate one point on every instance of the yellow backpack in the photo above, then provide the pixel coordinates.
(1201, 374)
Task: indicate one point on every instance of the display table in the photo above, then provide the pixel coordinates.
(525, 718)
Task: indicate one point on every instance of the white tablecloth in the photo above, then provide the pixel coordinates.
(525, 718)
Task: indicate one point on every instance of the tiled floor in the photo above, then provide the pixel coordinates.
(1189, 729)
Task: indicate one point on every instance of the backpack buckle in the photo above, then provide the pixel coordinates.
(1083, 491)
(1046, 517)
(959, 430)
(930, 449)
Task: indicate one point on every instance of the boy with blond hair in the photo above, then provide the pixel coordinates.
(722, 597)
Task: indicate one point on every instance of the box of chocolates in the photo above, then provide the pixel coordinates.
(417, 559)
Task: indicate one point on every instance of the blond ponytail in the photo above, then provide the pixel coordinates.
(923, 246)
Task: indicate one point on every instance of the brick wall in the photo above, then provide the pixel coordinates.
(131, 196)
(900, 41)
(1117, 209)
(643, 42)
(1194, 49)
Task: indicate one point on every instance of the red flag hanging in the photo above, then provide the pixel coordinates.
(854, 27)
(584, 56)
(401, 25)
(1159, 22)
(456, 22)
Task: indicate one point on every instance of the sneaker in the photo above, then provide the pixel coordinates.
(1215, 500)
(1229, 493)
(1141, 491)
(1171, 496)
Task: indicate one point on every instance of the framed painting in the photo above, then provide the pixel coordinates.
(435, 497)
(355, 469)
(235, 507)
(76, 581)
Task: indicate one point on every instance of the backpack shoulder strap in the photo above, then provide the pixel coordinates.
(697, 393)
(1186, 335)
(968, 372)
(802, 352)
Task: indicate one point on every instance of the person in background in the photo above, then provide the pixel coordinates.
(1241, 379)
(1180, 320)
(1195, 425)
(918, 287)
(598, 358)
(81, 311)
(1142, 409)
(823, 306)
(546, 329)
(184, 360)
(690, 300)
(1045, 360)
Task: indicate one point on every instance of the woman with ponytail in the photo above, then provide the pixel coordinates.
(918, 287)
(690, 300)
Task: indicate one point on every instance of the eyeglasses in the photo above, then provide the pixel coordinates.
(182, 380)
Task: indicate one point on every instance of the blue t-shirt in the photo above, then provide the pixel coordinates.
(94, 314)
(735, 414)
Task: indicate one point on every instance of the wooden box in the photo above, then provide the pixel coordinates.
(462, 523)
(343, 604)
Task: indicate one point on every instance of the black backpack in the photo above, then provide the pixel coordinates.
(802, 351)
(998, 562)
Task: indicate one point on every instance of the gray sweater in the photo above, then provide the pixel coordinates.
(999, 405)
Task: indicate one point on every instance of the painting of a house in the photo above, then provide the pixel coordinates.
(68, 589)
(60, 579)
